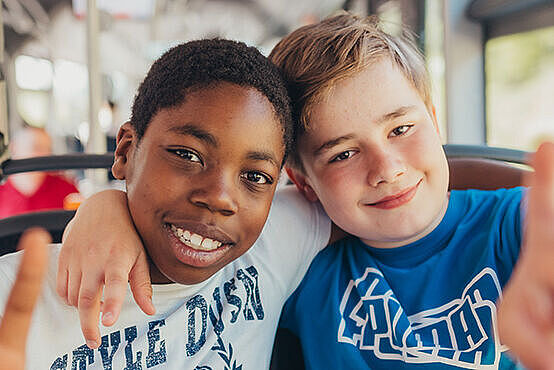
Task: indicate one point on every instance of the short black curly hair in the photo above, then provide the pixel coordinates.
(202, 63)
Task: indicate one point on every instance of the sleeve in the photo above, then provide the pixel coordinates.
(296, 230)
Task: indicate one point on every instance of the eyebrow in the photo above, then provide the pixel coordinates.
(192, 130)
(263, 156)
(387, 117)
(400, 112)
(331, 143)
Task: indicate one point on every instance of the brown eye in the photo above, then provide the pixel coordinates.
(342, 156)
(186, 155)
(400, 130)
(257, 177)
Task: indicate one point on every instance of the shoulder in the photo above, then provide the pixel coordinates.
(289, 202)
(8, 271)
(497, 212)
(292, 214)
(486, 199)
(288, 196)
(9, 264)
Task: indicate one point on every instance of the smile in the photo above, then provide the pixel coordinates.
(398, 199)
(195, 241)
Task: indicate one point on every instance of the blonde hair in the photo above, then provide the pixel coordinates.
(314, 57)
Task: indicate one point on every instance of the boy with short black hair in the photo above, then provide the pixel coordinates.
(201, 157)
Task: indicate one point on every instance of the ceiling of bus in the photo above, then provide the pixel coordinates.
(490, 9)
(254, 21)
(21, 21)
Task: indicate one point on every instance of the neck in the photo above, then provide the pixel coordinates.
(156, 276)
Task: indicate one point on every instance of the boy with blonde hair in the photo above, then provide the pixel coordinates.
(418, 280)
(417, 284)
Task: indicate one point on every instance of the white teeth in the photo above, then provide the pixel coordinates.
(195, 241)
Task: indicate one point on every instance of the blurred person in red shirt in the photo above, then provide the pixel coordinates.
(33, 191)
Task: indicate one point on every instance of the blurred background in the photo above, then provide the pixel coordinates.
(72, 66)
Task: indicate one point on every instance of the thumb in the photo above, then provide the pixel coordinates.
(141, 286)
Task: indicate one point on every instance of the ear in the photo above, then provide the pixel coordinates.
(299, 179)
(434, 118)
(126, 142)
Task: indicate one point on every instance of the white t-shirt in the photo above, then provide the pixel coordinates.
(225, 322)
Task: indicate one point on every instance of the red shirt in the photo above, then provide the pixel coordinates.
(49, 195)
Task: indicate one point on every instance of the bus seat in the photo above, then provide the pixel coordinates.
(11, 228)
(53, 221)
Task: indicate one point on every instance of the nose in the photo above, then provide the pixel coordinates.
(215, 192)
(385, 166)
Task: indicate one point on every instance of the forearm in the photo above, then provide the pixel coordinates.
(101, 246)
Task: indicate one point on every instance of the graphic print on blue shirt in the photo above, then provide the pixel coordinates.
(144, 346)
(458, 333)
(428, 304)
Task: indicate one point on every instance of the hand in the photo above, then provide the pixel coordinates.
(103, 248)
(19, 308)
(526, 311)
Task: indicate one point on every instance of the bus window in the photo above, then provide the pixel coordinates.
(519, 72)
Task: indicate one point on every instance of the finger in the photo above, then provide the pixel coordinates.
(90, 295)
(543, 179)
(115, 291)
(141, 285)
(61, 283)
(522, 308)
(542, 162)
(533, 348)
(24, 294)
(74, 285)
(62, 275)
(539, 234)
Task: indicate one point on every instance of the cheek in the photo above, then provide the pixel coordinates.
(344, 176)
(254, 212)
(424, 151)
(147, 192)
(336, 188)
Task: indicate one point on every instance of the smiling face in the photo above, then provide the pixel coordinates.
(372, 156)
(201, 180)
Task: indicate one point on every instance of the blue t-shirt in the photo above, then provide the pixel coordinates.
(429, 304)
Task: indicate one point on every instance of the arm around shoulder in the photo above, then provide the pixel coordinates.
(102, 231)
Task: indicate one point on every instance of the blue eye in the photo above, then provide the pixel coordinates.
(342, 156)
(257, 178)
(400, 130)
(186, 154)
